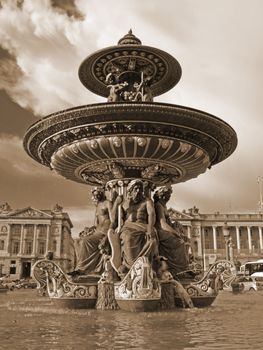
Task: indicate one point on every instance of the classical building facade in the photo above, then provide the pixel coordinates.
(237, 237)
(26, 235)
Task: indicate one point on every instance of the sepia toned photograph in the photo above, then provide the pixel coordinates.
(131, 174)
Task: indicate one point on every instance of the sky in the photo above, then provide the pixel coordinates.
(219, 44)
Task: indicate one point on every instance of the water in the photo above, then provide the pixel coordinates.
(28, 321)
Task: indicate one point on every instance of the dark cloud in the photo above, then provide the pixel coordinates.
(4, 53)
(67, 6)
(14, 119)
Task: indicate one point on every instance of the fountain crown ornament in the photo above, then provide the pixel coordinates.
(130, 62)
(129, 39)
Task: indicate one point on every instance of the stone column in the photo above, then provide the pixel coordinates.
(202, 229)
(249, 238)
(34, 241)
(8, 241)
(21, 248)
(48, 238)
(199, 240)
(214, 238)
(260, 238)
(189, 232)
(59, 241)
(238, 239)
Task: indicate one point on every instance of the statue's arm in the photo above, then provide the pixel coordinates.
(113, 211)
(110, 210)
(151, 218)
(96, 219)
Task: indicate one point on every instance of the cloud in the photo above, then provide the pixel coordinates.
(67, 6)
(47, 48)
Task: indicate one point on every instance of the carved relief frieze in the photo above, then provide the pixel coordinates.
(139, 283)
(196, 232)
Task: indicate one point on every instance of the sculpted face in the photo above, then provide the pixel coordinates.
(136, 193)
(98, 196)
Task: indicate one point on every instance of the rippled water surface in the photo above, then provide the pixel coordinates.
(28, 321)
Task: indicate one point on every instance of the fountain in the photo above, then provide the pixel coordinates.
(126, 148)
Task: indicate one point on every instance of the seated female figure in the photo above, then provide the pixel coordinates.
(89, 252)
(171, 244)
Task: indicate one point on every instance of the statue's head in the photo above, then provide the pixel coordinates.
(163, 193)
(98, 194)
(135, 190)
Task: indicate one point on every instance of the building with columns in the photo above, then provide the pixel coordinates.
(237, 237)
(26, 235)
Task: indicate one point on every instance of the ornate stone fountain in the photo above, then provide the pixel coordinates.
(129, 138)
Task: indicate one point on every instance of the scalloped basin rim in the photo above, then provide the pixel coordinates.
(109, 105)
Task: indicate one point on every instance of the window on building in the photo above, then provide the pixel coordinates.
(220, 240)
(2, 244)
(255, 239)
(12, 270)
(41, 248)
(15, 249)
(243, 238)
(28, 247)
(42, 229)
(16, 229)
(13, 262)
(30, 229)
(208, 236)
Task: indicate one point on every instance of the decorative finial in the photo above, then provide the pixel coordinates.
(5, 208)
(129, 39)
(57, 208)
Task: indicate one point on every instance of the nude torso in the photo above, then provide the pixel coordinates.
(137, 212)
(102, 216)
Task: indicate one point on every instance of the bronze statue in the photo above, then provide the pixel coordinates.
(137, 234)
(93, 243)
(115, 88)
(171, 244)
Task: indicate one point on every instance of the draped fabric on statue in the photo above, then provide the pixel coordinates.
(171, 245)
(90, 259)
(134, 242)
(173, 248)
